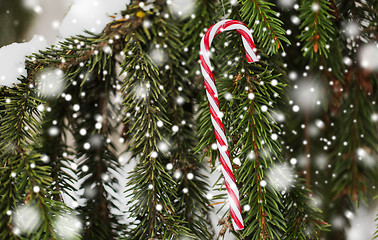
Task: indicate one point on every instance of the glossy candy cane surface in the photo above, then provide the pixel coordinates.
(216, 115)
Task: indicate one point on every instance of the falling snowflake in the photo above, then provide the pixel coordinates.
(27, 218)
(181, 8)
(368, 56)
(51, 83)
(306, 94)
(351, 29)
(280, 177)
(163, 146)
(67, 226)
(158, 56)
(286, 3)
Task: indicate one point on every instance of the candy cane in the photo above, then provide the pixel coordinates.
(216, 115)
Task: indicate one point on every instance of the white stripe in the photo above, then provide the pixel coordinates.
(211, 37)
(218, 129)
(209, 80)
(249, 50)
(239, 26)
(205, 54)
(228, 179)
(234, 224)
(247, 47)
(236, 210)
(213, 104)
(223, 152)
(206, 76)
(225, 158)
(214, 30)
(234, 206)
(231, 202)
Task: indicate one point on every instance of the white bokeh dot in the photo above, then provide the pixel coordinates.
(262, 183)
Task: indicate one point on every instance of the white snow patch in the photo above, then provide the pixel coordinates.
(362, 224)
(125, 158)
(90, 15)
(12, 59)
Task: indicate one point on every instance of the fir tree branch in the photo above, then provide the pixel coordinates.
(54, 149)
(20, 129)
(357, 143)
(262, 18)
(66, 56)
(151, 187)
(204, 16)
(97, 157)
(192, 206)
(259, 198)
(303, 219)
(317, 27)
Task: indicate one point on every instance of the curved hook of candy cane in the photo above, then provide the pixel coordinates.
(216, 115)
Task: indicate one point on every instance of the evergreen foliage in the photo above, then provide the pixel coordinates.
(334, 167)
(259, 16)
(23, 172)
(317, 27)
(151, 185)
(303, 218)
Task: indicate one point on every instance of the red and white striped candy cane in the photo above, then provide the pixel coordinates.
(216, 115)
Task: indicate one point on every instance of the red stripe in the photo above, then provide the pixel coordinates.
(247, 37)
(216, 118)
(240, 31)
(249, 58)
(219, 139)
(207, 69)
(211, 92)
(233, 196)
(236, 220)
(206, 38)
(225, 25)
(226, 168)
(221, 142)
